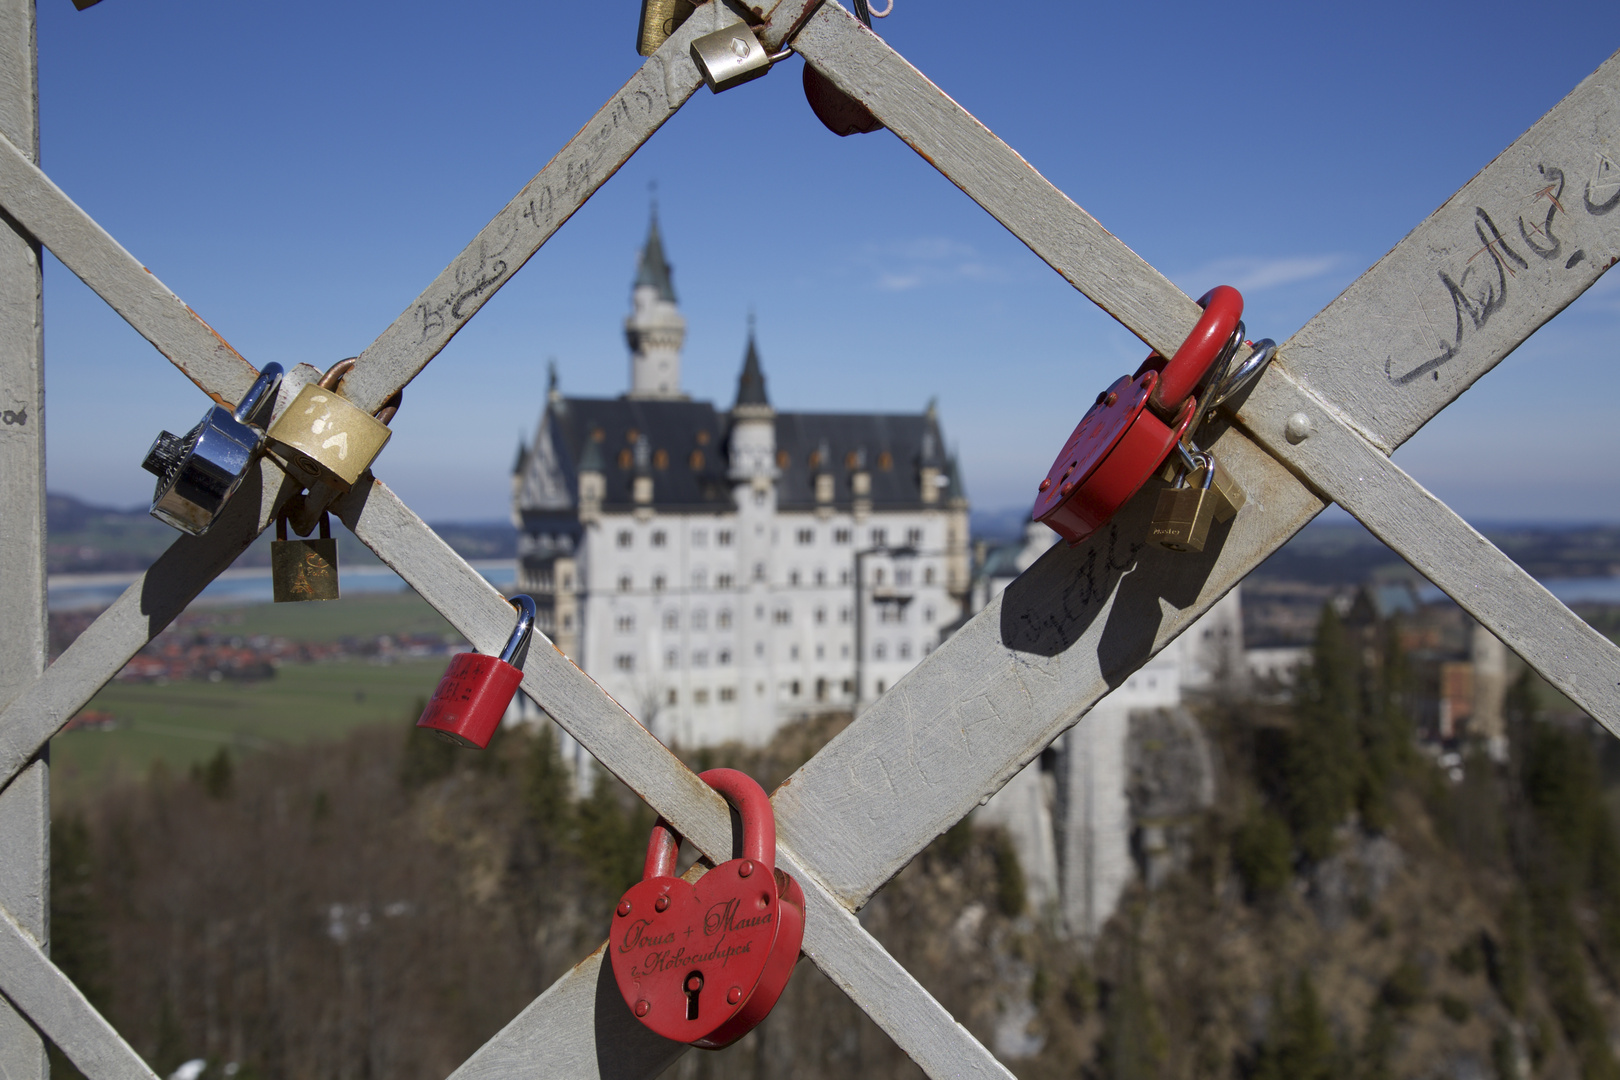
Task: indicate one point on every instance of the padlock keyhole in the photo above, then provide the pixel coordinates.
(694, 987)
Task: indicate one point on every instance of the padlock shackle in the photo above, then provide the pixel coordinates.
(1181, 374)
(524, 629)
(268, 382)
(752, 805)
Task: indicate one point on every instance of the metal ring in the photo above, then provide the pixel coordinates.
(1247, 372)
(524, 629)
(335, 373)
(884, 14)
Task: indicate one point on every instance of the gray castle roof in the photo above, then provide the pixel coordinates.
(653, 269)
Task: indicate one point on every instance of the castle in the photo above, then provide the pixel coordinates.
(723, 571)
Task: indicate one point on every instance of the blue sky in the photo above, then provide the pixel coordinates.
(298, 171)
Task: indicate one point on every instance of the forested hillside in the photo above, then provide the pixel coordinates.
(381, 905)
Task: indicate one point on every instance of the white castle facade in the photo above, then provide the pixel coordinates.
(723, 571)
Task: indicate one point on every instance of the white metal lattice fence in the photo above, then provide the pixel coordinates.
(1344, 392)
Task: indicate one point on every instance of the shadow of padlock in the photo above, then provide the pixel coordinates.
(470, 700)
(199, 472)
(704, 962)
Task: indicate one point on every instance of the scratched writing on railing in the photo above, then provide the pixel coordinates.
(546, 202)
(1481, 287)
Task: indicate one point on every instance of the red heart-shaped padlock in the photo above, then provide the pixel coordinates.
(704, 962)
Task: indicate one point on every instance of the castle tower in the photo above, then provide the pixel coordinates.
(655, 328)
(753, 424)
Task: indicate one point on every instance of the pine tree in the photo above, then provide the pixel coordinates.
(1301, 1046)
(1324, 764)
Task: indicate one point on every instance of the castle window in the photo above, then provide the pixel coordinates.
(793, 577)
(659, 537)
(807, 536)
(673, 696)
(843, 615)
(672, 619)
(696, 460)
(840, 536)
(852, 460)
(821, 615)
(660, 459)
(700, 538)
(928, 575)
(723, 657)
(914, 537)
(905, 650)
(723, 538)
(626, 624)
(658, 583)
(672, 659)
(722, 581)
(793, 688)
(700, 659)
(700, 620)
(878, 651)
(821, 689)
(723, 619)
(782, 459)
(849, 687)
(843, 576)
(783, 616)
(759, 571)
(821, 577)
(902, 576)
(703, 438)
(624, 458)
(877, 576)
(928, 615)
(815, 459)
(793, 652)
(728, 693)
(625, 661)
(885, 461)
(880, 537)
(701, 697)
(568, 622)
(625, 538)
(624, 582)
(631, 436)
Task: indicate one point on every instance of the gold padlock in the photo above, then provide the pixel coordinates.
(323, 436)
(303, 569)
(659, 19)
(1184, 514)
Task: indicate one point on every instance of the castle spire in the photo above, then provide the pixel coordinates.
(655, 329)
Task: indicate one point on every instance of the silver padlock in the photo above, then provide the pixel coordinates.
(730, 57)
(198, 472)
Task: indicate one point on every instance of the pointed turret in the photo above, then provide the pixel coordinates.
(655, 328)
(753, 422)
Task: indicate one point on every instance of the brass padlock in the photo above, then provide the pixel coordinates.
(323, 436)
(659, 19)
(731, 56)
(1205, 494)
(303, 569)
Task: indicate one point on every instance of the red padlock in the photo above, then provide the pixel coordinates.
(703, 962)
(1134, 424)
(470, 700)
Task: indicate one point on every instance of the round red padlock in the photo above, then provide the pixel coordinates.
(1133, 425)
(703, 962)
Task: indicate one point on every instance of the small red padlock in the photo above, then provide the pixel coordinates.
(1134, 425)
(703, 962)
(470, 700)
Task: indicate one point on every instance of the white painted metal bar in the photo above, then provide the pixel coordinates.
(1458, 258)
(144, 609)
(993, 175)
(917, 1023)
(25, 806)
(653, 95)
(1297, 427)
(98, 260)
(1517, 244)
(37, 987)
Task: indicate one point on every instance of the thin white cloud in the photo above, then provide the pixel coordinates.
(1257, 274)
(919, 262)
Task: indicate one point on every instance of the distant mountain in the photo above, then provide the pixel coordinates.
(83, 538)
